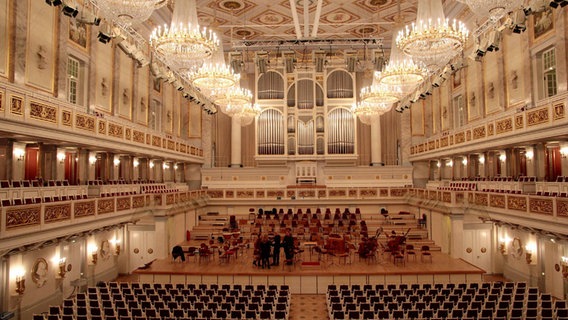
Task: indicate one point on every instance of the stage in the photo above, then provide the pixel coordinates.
(311, 273)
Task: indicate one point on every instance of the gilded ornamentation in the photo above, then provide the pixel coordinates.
(481, 199)
(170, 199)
(85, 122)
(148, 138)
(137, 202)
(558, 111)
(290, 193)
(447, 197)
(23, 217)
(504, 125)
(519, 121)
(353, 193)
(274, 193)
(321, 194)
(432, 195)
(338, 193)
(444, 142)
(171, 145)
(478, 132)
(468, 135)
(183, 148)
(66, 118)
(431, 145)
(215, 194)
(17, 105)
(517, 203)
(43, 112)
(156, 141)
(138, 136)
(128, 134)
(383, 192)
(54, 213)
(230, 194)
(398, 192)
(561, 208)
(259, 194)
(83, 208)
(158, 199)
(460, 137)
(460, 197)
(497, 201)
(123, 203)
(490, 129)
(102, 127)
(368, 192)
(412, 150)
(541, 206)
(537, 116)
(307, 193)
(105, 206)
(115, 130)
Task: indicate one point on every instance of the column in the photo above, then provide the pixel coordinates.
(235, 143)
(193, 175)
(456, 244)
(376, 152)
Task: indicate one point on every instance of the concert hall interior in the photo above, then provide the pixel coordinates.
(259, 152)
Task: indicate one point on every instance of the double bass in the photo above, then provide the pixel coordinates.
(395, 242)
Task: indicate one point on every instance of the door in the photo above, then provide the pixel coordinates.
(477, 247)
(142, 246)
(553, 280)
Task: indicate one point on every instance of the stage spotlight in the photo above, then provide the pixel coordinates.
(289, 58)
(262, 61)
(350, 60)
(69, 10)
(493, 40)
(105, 33)
(519, 20)
(88, 17)
(54, 3)
(319, 60)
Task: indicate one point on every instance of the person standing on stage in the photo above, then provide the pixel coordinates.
(276, 250)
(265, 252)
(288, 245)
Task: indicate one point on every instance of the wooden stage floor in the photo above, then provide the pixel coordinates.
(309, 276)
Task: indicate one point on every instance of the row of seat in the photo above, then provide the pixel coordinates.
(39, 200)
(113, 301)
(33, 183)
(489, 300)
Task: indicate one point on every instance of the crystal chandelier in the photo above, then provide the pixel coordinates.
(247, 114)
(184, 45)
(368, 113)
(214, 75)
(401, 72)
(432, 39)
(233, 100)
(493, 9)
(378, 95)
(128, 12)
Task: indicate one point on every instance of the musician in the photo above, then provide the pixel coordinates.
(276, 250)
(264, 252)
(288, 245)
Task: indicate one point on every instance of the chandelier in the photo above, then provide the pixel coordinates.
(368, 113)
(493, 9)
(233, 100)
(128, 12)
(401, 72)
(247, 114)
(378, 95)
(432, 39)
(184, 45)
(214, 76)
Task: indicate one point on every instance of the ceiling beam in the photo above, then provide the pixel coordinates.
(296, 19)
(317, 19)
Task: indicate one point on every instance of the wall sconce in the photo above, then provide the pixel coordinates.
(20, 283)
(62, 267)
(61, 157)
(481, 159)
(151, 164)
(93, 249)
(503, 242)
(136, 163)
(564, 152)
(438, 164)
(502, 157)
(529, 155)
(92, 160)
(464, 161)
(175, 166)
(450, 163)
(116, 162)
(116, 244)
(19, 154)
(529, 250)
(165, 166)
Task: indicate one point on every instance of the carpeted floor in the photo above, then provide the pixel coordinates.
(308, 307)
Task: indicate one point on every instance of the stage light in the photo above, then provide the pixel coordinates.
(350, 60)
(87, 17)
(53, 2)
(319, 60)
(262, 61)
(69, 10)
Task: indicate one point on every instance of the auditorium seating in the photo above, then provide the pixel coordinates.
(486, 300)
(144, 301)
